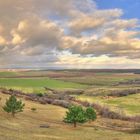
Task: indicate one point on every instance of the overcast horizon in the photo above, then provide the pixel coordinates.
(81, 34)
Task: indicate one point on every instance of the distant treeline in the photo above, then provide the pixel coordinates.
(135, 71)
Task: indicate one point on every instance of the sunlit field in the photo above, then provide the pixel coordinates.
(26, 125)
(37, 85)
(129, 105)
(95, 88)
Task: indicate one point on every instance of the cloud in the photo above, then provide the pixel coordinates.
(92, 21)
(103, 61)
(46, 33)
(109, 43)
(39, 32)
(121, 23)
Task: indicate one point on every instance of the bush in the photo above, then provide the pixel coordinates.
(33, 109)
(62, 103)
(91, 114)
(121, 93)
(39, 94)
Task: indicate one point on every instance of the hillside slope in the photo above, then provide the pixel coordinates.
(26, 126)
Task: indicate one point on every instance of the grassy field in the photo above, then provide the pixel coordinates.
(101, 83)
(101, 79)
(26, 126)
(129, 105)
(36, 85)
(96, 86)
(8, 74)
(4, 74)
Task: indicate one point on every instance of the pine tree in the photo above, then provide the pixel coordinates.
(13, 105)
(75, 114)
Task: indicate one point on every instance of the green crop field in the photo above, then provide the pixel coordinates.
(8, 74)
(37, 84)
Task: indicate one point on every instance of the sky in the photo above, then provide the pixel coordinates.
(129, 7)
(69, 34)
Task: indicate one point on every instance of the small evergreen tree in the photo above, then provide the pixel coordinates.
(91, 114)
(75, 114)
(13, 105)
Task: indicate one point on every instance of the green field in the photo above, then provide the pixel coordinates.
(8, 74)
(4, 74)
(129, 105)
(101, 79)
(96, 85)
(37, 84)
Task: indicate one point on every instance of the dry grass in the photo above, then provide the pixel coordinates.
(26, 126)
